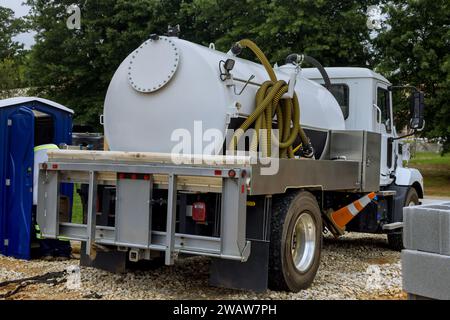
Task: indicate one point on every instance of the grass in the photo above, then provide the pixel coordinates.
(436, 172)
(77, 209)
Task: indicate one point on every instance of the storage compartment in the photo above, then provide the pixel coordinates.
(361, 146)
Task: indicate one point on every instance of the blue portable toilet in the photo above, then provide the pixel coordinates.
(25, 122)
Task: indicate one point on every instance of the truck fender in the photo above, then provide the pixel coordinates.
(405, 178)
(409, 177)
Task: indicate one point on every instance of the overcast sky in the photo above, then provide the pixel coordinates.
(20, 10)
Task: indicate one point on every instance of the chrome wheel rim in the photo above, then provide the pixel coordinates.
(303, 242)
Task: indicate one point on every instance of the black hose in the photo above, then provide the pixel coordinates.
(53, 278)
(295, 58)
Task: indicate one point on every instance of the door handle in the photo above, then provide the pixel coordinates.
(378, 113)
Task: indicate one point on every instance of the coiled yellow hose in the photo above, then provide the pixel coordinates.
(268, 104)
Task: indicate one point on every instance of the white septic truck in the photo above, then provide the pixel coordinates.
(213, 155)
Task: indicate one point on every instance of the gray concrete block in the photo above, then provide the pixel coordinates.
(427, 228)
(426, 274)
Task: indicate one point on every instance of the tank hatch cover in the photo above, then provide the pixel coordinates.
(153, 64)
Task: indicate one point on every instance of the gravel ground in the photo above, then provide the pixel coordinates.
(356, 266)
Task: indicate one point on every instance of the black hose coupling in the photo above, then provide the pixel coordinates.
(298, 59)
(236, 49)
(307, 151)
(294, 58)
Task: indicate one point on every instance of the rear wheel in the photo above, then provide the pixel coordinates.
(295, 243)
(395, 240)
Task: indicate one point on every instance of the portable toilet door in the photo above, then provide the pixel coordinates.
(19, 170)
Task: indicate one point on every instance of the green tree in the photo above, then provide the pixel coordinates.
(9, 28)
(11, 52)
(11, 74)
(334, 32)
(414, 49)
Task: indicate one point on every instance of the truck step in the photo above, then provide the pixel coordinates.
(393, 226)
(387, 193)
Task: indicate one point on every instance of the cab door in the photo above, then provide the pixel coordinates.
(19, 191)
(385, 124)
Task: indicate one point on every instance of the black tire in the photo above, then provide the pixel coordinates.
(286, 210)
(395, 240)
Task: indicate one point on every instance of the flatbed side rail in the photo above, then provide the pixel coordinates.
(133, 228)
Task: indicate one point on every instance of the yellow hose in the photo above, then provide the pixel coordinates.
(268, 104)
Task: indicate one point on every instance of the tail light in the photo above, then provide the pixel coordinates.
(199, 212)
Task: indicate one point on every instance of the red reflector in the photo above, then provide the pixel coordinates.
(199, 211)
(121, 176)
(218, 172)
(134, 176)
(232, 173)
(54, 166)
(146, 177)
(242, 188)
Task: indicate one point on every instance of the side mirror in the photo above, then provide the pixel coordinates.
(417, 111)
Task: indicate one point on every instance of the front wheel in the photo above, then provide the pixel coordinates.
(296, 240)
(395, 240)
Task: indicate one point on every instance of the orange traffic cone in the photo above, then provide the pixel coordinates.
(340, 218)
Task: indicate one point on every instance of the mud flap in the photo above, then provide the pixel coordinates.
(399, 202)
(251, 275)
(113, 261)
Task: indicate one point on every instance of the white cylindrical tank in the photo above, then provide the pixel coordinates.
(169, 84)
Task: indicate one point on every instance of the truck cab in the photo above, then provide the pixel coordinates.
(367, 104)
